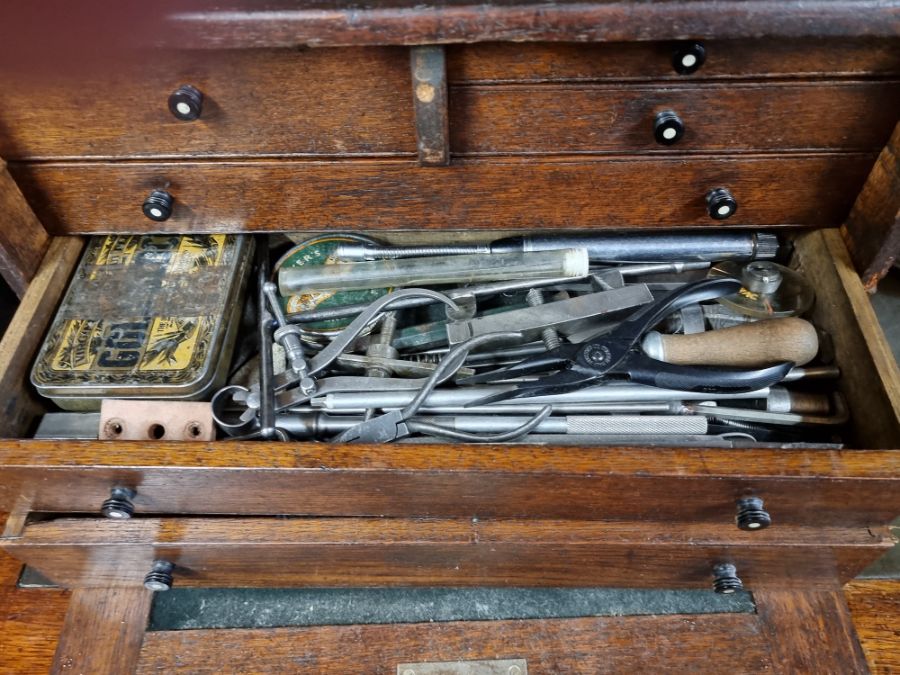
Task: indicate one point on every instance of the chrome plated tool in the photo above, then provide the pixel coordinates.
(617, 354)
(393, 425)
(606, 247)
(570, 313)
(320, 425)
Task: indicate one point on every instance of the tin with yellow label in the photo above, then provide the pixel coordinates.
(145, 316)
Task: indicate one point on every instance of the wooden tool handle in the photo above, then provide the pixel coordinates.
(752, 344)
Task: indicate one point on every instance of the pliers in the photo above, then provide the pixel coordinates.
(618, 354)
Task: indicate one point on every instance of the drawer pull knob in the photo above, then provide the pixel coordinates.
(186, 103)
(667, 127)
(159, 578)
(119, 506)
(725, 579)
(158, 206)
(688, 58)
(720, 204)
(751, 514)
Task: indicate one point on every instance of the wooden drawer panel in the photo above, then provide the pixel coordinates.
(361, 552)
(727, 59)
(566, 193)
(559, 119)
(260, 102)
(589, 645)
(776, 639)
(357, 101)
(799, 487)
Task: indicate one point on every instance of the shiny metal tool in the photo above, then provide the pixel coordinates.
(605, 247)
(393, 425)
(618, 354)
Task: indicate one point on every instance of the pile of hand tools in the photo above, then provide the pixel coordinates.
(588, 339)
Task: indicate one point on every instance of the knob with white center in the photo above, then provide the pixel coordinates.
(186, 103)
(720, 204)
(688, 58)
(158, 205)
(667, 127)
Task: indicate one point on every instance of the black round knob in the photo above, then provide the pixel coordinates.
(158, 206)
(688, 58)
(751, 515)
(159, 578)
(186, 103)
(725, 579)
(119, 505)
(667, 127)
(720, 204)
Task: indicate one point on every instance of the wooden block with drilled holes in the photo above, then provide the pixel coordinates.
(124, 420)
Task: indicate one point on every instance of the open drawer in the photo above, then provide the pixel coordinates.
(853, 487)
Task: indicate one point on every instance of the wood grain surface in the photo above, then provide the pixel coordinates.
(355, 102)
(472, 194)
(800, 487)
(589, 645)
(727, 118)
(810, 632)
(25, 333)
(271, 552)
(257, 102)
(30, 621)
(874, 608)
(870, 378)
(872, 231)
(23, 239)
(103, 631)
(409, 22)
(495, 62)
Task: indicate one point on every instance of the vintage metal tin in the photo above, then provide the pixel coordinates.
(145, 316)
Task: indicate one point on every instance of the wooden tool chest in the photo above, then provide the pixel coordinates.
(440, 123)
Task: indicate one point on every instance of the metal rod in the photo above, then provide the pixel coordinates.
(266, 392)
(320, 425)
(606, 247)
(618, 393)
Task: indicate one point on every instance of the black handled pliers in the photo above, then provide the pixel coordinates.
(618, 354)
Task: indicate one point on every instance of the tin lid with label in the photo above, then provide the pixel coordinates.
(145, 316)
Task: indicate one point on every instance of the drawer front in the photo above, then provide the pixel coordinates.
(733, 118)
(725, 59)
(258, 102)
(357, 101)
(571, 193)
(815, 488)
(337, 552)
